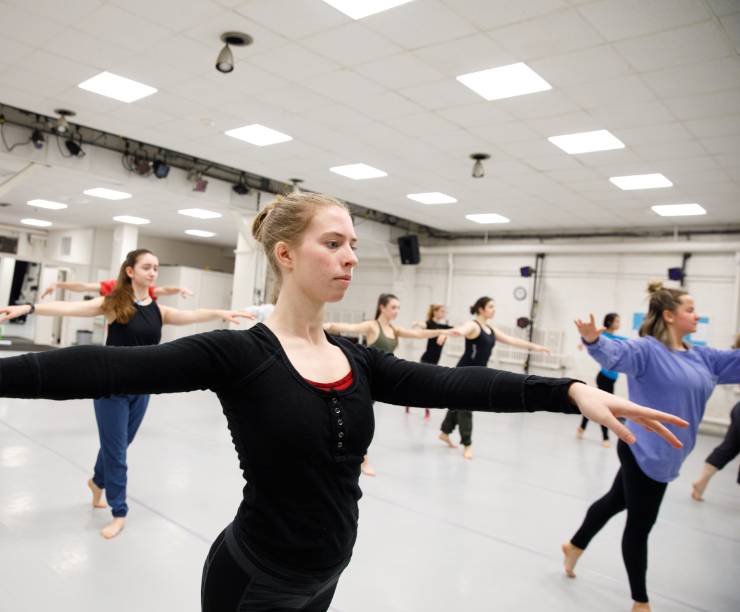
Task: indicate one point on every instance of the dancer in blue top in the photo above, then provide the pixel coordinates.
(605, 379)
(662, 370)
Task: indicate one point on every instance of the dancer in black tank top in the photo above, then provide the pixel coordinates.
(436, 319)
(134, 319)
(479, 342)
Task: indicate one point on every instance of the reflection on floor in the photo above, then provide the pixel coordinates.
(436, 533)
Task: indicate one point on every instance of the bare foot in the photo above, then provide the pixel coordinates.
(366, 468)
(112, 529)
(468, 452)
(97, 493)
(605, 444)
(571, 555)
(446, 439)
(697, 491)
(641, 606)
(579, 432)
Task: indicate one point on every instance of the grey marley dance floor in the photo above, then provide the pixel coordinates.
(436, 533)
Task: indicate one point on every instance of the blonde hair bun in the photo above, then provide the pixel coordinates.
(654, 287)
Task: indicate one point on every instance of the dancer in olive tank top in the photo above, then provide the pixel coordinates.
(381, 334)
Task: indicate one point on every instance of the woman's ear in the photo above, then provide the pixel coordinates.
(668, 316)
(284, 255)
(129, 271)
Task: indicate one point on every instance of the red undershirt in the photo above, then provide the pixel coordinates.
(338, 385)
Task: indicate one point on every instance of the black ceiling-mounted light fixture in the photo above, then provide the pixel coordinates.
(37, 138)
(61, 125)
(225, 59)
(478, 169)
(160, 167)
(74, 147)
(241, 187)
(296, 185)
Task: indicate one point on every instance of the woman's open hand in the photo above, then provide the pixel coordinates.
(604, 408)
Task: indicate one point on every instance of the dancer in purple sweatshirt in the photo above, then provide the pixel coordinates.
(662, 371)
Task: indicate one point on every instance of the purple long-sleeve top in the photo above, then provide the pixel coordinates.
(679, 382)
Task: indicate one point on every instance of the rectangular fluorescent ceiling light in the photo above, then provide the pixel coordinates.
(641, 181)
(505, 81)
(432, 197)
(199, 213)
(51, 205)
(487, 218)
(36, 222)
(587, 142)
(200, 233)
(679, 210)
(107, 194)
(259, 135)
(117, 87)
(357, 9)
(358, 172)
(131, 220)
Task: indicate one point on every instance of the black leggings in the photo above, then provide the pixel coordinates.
(462, 419)
(605, 384)
(233, 583)
(641, 496)
(730, 447)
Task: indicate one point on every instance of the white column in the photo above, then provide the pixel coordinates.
(249, 267)
(125, 239)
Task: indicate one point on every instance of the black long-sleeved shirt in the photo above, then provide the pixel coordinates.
(299, 447)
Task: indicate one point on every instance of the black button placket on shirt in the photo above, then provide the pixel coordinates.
(340, 432)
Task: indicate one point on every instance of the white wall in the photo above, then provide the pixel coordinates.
(575, 285)
(175, 252)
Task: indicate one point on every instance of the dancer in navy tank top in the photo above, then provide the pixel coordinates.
(479, 342)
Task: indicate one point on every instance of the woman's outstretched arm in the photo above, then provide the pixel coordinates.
(203, 361)
(406, 383)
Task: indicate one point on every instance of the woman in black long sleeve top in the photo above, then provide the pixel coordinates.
(299, 445)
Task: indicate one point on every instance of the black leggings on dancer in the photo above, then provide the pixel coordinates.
(605, 384)
(730, 447)
(641, 496)
(233, 582)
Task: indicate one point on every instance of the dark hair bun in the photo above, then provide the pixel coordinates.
(654, 287)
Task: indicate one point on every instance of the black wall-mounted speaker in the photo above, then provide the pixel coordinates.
(408, 248)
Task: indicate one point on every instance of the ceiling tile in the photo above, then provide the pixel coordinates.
(630, 115)
(209, 28)
(723, 145)
(724, 7)
(88, 50)
(541, 104)
(469, 54)
(678, 47)
(488, 14)
(714, 126)
(386, 105)
(668, 150)
(553, 34)
(591, 65)
(294, 98)
(424, 124)
(569, 123)
(471, 115)
(505, 132)
(402, 24)
(715, 75)
(169, 13)
(20, 25)
(441, 94)
(731, 25)
(619, 19)
(349, 44)
(294, 62)
(627, 89)
(401, 70)
(122, 28)
(705, 105)
(343, 85)
(292, 19)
